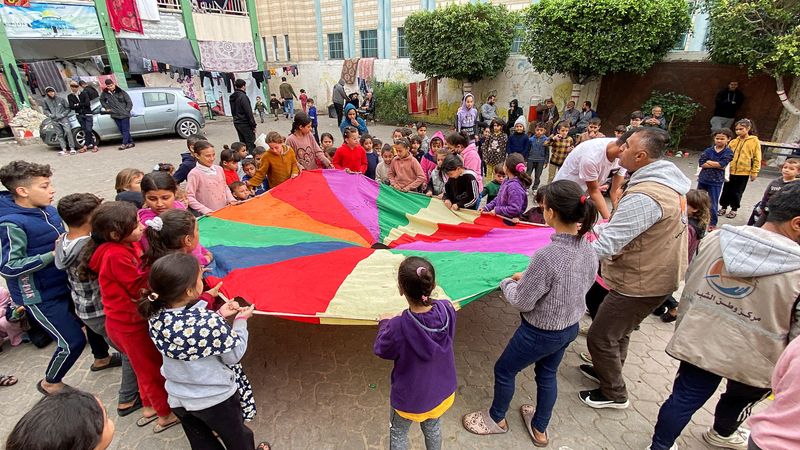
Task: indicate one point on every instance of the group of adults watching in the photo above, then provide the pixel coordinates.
(546, 113)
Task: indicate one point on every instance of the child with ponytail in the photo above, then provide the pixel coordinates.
(204, 381)
(159, 190)
(113, 257)
(420, 342)
(551, 301)
(512, 199)
(174, 230)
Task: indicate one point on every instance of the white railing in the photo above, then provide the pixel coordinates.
(231, 7)
(169, 5)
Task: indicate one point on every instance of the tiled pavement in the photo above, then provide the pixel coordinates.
(320, 387)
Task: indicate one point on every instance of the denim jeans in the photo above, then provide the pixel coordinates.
(692, 388)
(536, 168)
(288, 106)
(87, 124)
(398, 432)
(714, 191)
(531, 346)
(124, 126)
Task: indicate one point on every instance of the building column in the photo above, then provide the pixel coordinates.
(188, 25)
(318, 19)
(385, 29)
(348, 29)
(251, 11)
(9, 63)
(110, 40)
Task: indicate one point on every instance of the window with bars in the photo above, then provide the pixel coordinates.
(369, 43)
(402, 48)
(275, 47)
(335, 46)
(288, 51)
(517, 42)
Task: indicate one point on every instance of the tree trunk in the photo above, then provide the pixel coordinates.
(466, 87)
(791, 107)
(576, 92)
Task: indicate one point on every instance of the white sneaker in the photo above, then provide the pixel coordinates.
(72, 151)
(736, 441)
(674, 447)
(63, 153)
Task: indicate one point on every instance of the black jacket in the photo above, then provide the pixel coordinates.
(117, 103)
(187, 164)
(241, 109)
(82, 103)
(727, 103)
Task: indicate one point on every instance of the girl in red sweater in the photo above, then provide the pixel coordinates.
(350, 156)
(113, 256)
(229, 160)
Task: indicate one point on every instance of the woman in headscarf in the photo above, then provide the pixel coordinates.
(514, 113)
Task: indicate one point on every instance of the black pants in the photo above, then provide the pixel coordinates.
(225, 419)
(732, 192)
(594, 298)
(87, 122)
(339, 112)
(247, 135)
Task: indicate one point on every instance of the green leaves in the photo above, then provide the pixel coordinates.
(761, 35)
(589, 38)
(678, 110)
(464, 42)
(391, 103)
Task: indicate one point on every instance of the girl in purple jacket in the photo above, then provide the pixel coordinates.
(420, 342)
(512, 199)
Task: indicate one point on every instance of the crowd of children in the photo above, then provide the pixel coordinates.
(94, 276)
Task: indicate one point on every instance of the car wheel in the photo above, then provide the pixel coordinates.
(187, 127)
(80, 137)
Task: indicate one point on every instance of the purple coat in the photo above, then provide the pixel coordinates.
(421, 346)
(511, 200)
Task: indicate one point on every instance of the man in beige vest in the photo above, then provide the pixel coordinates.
(738, 312)
(643, 250)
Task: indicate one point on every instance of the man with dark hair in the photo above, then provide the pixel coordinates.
(242, 112)
(644, 250)
(288, 95)
(119, 105)
(586, 113)
(339, 98)
(738, 312)
(29, 227)
(726, 105)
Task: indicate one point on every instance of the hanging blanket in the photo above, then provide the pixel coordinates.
(349, 69)
(8, 107)
(227, 56)
(47, 74)
(432, 96)
(176, 52)
(366, 68)
(123, 15)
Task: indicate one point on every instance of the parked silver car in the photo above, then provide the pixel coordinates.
(155, 111)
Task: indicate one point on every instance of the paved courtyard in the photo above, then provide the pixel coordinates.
(320, 387)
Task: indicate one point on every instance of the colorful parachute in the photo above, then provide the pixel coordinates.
(325, 248)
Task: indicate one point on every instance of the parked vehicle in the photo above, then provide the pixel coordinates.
(156, 111)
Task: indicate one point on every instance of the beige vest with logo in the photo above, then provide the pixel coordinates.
(654, 262)
(733, 327)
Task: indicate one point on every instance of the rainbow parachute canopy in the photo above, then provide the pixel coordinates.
(325, 247)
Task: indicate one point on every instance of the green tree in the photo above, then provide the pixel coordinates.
(678, 109)
(391, 103)
(761, 35)
(590, 38)
(464, 42)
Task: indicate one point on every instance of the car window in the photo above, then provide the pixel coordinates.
(158, 99)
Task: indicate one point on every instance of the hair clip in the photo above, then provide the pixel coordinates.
(583, 199)
(152, 297)
(155, 223)
(520, 167)
(421, 270)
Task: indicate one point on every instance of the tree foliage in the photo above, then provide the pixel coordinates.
(589, 38)
(678, 109)
(391, 103)
(464, 42)
(761, 35)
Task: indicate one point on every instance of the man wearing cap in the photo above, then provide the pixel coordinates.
(57, 109)
(118, 104)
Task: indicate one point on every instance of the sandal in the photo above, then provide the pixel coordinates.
(527, 416)
(158, 428)
(115, 361)
(481, 423)
(722, 211)
(264, 445)
(731, 215)
(144, 420)
(95, 149)
(137, 405)
(7, 380)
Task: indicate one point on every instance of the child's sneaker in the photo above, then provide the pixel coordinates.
(597, 400)
(679, 154)
(736, 441)
(72, 151)
(63, 153)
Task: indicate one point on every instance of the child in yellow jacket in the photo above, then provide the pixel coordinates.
(744, 167)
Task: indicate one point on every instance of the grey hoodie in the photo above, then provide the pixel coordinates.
(339, 94)
(638, 212)
(56, 108)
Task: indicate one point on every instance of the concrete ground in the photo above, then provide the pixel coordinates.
(321, 387)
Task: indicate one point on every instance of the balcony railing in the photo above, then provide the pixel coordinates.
(169, 5)
(230, 7)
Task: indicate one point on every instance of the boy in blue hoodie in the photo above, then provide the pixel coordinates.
(187, 159)
(312, 114)
(518, 140)
(29, 227)
(712, 163)
(539, 154)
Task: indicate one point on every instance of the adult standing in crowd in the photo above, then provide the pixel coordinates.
(81, 103)
(570, 114)
(738, 313)
(488, 111)
(726, 105)
(339, 99)
(119, 105)
(514, 113)
(288, 96)
(243, 119)
(584, 116)
(58, 111)
(547, 113)
(644, 252)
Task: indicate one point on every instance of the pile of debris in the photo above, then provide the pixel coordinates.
(25, 125)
